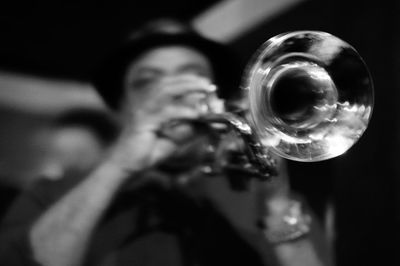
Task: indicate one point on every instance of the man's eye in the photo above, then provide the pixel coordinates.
(141, 83)
(196, 70)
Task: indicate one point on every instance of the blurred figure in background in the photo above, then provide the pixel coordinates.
(150, 201)
(70, 144)
(74, 142)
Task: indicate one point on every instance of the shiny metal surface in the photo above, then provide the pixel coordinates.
(306, 96)
(309, 94)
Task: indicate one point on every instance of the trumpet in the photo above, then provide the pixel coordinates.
(310, 95)
(306, 96)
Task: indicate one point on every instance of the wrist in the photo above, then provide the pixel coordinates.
(110, 168)
(131, 152)
(287, 220)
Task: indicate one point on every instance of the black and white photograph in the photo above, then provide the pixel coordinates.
(200, 133)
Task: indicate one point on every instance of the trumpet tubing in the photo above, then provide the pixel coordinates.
(307, 96)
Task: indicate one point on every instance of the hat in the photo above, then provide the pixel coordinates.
(108, 78)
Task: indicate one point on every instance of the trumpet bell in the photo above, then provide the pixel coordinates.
(310, 95)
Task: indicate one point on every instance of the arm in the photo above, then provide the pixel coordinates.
(270, 201)
(61, 235)
(306, 245)
(292, 230)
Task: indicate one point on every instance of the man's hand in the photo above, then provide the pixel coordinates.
(154, 130)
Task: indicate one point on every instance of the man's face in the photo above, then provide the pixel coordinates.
(147, 71)
(169, 69)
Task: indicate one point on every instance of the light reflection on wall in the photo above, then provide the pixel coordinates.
(41, 95)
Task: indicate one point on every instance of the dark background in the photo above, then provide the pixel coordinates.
(67, 39)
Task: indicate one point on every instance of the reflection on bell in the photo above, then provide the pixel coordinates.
(310, 95)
